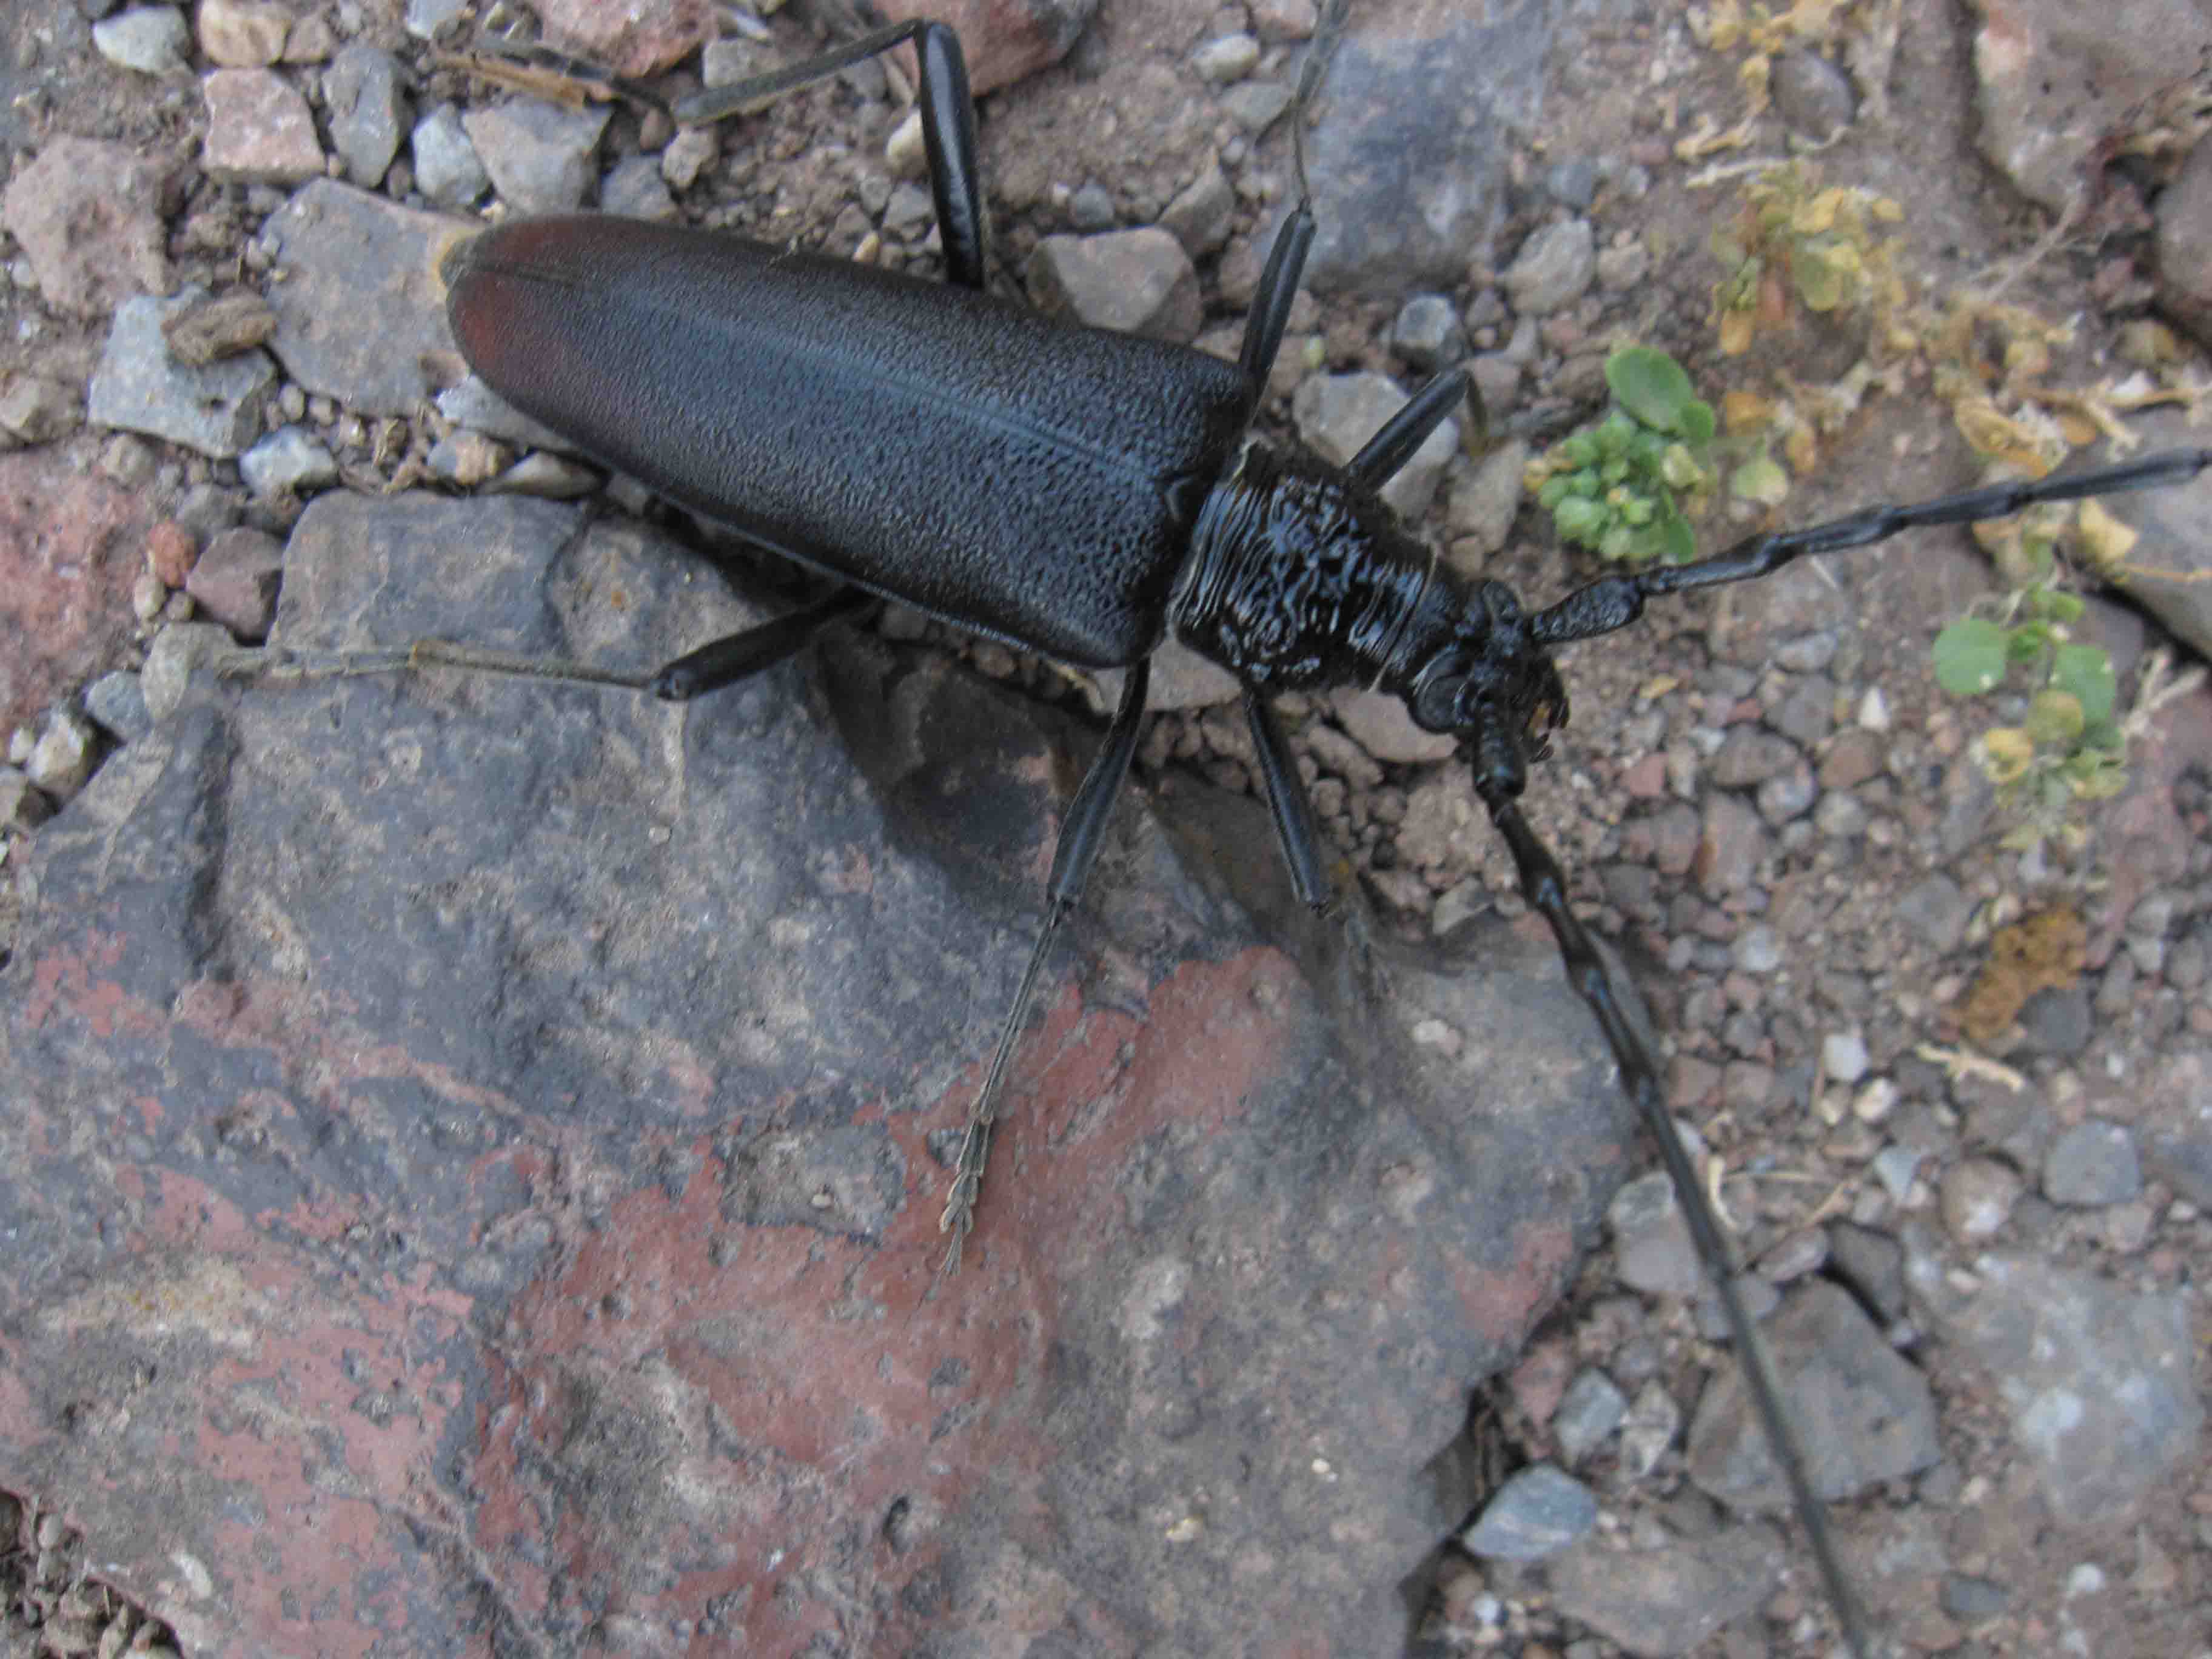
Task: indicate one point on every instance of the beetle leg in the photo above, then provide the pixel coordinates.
(1271, 302)
(741, 655)
(1393, 446)
(1080, 838)
(1286, 260)
(948, 127)
(1288, 801)
(948, 135)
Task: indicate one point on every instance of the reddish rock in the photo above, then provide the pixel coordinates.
(1540, 1378)
(1851, 758)
(69, 552)
(1004, 40)
(1647, 779)
(640, 39)
(88, 215)
(170, 550)
(236, 579)
(1730, 845)
(259, 129)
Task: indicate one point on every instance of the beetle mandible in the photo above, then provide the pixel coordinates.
(1112, 495)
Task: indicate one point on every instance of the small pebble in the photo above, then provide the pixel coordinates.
(1844, 1056)
(2092, 1163)
(1231, 58)
(1978, 1196)
(1537, 1513)
(1756, 951)
(1875, 1102)
(1589, 1411)
(1894, 1166)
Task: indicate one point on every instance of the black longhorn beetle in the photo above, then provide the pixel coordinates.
(1109, 492)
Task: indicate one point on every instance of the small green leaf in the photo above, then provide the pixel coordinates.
(2055, 605)
(1651, 386)
(1678, 469)
(1554, 492)
(1579, 518)
(2095, 775)
(1821, 284)
(2054, 720)
(2006, 753)
(1970, 657)
(2085, 671)
(1677, 540)
(1698, 422)
(1760, 480)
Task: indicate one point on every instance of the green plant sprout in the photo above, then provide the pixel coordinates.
(1618, 487)
(2070, 746)
(1795, 243)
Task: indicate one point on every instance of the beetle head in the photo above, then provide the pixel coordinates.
(1489, 677)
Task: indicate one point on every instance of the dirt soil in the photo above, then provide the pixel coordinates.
(1116, 114)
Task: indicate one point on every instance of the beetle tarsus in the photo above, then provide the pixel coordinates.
(1081, 837)
(959, 1217)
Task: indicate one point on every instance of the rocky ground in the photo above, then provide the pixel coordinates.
(1764, 800)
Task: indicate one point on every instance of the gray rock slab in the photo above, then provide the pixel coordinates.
(1875, 1417)
(1666, 1601)
(2052, 77)
(501, 1126)
(1536, 1514)
(362, 309)
(1413, 200)
(2171, 577)
(2101, 1385)
(214, 408)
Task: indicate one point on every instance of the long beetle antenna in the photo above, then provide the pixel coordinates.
(1499, 773)
(1327, 35)
(1613, 603)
